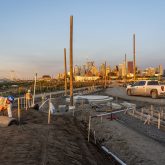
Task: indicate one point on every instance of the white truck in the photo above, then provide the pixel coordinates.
(146, 88)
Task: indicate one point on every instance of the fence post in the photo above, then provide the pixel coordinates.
(162, 114)
(89, 128)
(21, 101)
(94, 134)
(49, 110)
(152, 109)
(142, 114)
(159, 120)
(19, 115)
(24, 102)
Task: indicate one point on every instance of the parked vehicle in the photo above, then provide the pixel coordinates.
(146, 88)
(127, 84)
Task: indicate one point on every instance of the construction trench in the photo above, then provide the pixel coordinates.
(119, 138)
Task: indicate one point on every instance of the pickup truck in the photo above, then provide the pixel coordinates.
(146, 88)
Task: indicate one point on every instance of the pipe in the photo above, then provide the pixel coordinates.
(43, 104)
(104, 114)
(114, 156)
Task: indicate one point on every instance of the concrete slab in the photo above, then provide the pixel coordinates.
(90, 99)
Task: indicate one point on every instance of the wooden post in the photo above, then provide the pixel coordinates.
(34, 92)
(101, 119)
(73, 112)
(89, 128)
(19, 113)
(142, 114)
(134, 58)
(24, 102)
(65, 68)
(21, 101)
(105, 74)
(82, 102)
(149, 119)
(49, 110)
(71, 60)
(158, 120)
(152, 110)
(133, 111)
(43, 98)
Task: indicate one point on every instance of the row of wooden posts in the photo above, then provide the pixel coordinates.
(23, 104)
(150, 116)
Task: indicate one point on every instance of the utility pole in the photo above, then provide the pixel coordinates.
(105, 76)
(134, 59)
(65, 71)
(71, 60)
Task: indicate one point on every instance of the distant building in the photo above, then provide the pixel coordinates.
(160, 69)
(130, 67)
(61, 75)
(94, 71)
(77, 70)
(108, 70)
(83, 70)
(164, 73)
(122, 70)
(89, 65)
(86, 78)
(150, 71)
(102, 69)
(46, 77)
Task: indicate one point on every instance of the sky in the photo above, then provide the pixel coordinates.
(34, 33)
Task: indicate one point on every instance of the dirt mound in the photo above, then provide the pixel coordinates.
(34, 142)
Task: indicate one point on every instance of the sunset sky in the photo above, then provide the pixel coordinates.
(33, 33)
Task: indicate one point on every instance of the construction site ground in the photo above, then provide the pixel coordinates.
(128, 138)
(64, 141)
(34, 142)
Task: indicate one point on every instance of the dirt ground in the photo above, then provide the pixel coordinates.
(63, 142)
(128, 138)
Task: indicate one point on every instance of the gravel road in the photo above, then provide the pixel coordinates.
(120, 92)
